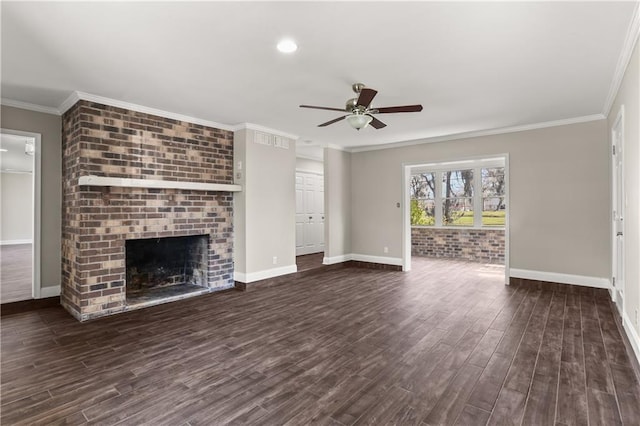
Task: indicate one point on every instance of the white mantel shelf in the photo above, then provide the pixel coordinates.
(92, 180)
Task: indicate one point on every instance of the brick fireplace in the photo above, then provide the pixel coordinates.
(101, 141)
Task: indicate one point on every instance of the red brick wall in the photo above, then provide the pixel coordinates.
(108, 141)
(479, 245)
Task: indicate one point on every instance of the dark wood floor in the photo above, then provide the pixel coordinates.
(309, 261)
(447, 343)
(15, 272)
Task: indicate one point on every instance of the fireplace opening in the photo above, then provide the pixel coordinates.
(165, 268)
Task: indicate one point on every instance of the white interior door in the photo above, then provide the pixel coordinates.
(618, 214)
(309, 213)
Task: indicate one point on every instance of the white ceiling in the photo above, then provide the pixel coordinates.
(474, 66)
(14, 158)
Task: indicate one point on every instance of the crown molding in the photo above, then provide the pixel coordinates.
(73, 98)
(479, 133)
(259, 128)
(30, 107)
(623, 60)
(334, 146)
(78, 96)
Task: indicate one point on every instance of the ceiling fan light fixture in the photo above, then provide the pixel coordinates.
(359, 121)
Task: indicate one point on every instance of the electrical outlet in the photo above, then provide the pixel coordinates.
(275, 260)
(386, 250)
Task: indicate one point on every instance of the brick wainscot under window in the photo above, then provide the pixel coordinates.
(478, 245)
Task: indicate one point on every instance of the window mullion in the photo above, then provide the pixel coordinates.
(438, 198)
(477, 197)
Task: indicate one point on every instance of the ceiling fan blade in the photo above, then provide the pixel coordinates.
(320, 107)
(406, 108)
(377, 124)
(335, 120)
(366, 96)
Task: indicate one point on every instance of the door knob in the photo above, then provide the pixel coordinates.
(310, 217)
(619, 234)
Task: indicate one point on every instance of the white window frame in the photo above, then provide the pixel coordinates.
(476, 165)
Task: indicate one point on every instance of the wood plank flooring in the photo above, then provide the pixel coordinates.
(15, 272)
(309, 261)
(447, 343)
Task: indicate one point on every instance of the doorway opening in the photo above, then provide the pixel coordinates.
(617, 202)
(310, 214)
(458, 209)
(20, 207)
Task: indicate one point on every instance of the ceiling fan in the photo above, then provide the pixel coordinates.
(360, 111)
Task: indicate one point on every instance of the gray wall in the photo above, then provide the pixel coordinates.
(50, 128)
(559, 195)
(337, 203)
(16, 206)
(629, 96)
(266, 228)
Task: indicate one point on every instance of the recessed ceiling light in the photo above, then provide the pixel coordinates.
(3, 150)
(287, 46)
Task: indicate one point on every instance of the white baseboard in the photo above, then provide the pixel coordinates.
(362, 258)
(263, 275)
(49, 291)
(397, 261)
(632, 335)
(15, 242)
(555, 277)
(336, 259)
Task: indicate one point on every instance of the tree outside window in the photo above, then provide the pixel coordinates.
(423, 200)
(455, 197)
(493, 188)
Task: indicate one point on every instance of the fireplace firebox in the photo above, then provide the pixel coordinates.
(157, 268)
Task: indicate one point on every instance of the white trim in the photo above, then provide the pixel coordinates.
(36, 178)
(618, 125)
(627, 325)
(264, 274)
(15, 242)
(478, 133)
(623, 60)
(462, 228)
(29, 107)
(397, 261)
(259, 128)
(336, 259)
(555, 277)
(77, 96)
(311, 172)
(336, 147)
(406, 219)
(152, 183)
(507, 218)
(310, 157)
(53, 291)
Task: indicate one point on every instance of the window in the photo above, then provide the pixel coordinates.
(423, 199)
(493, 207)
(457, 198)
(469, 196)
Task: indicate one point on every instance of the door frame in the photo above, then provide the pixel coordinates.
(406, 208)
(617, 128)
(37, 198)
(313, 172)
